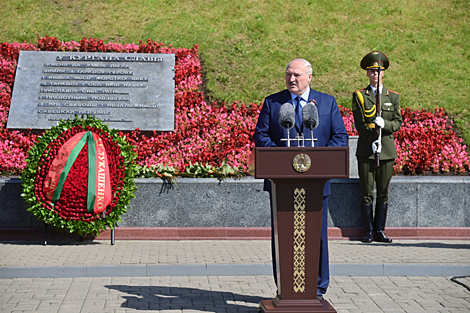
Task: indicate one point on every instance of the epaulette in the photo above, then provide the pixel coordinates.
(362, 90)
(393, 91)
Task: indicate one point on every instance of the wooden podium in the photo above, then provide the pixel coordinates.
(299, 175)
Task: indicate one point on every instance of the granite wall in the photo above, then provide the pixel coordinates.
(427, 201)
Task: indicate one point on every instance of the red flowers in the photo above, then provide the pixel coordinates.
(216, 136)
(348, 119)
(69, 211)
(72, 204)
(427, 143)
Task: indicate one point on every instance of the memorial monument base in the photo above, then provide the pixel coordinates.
(288, 306)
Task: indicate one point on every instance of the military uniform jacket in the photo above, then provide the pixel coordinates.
(364, 111)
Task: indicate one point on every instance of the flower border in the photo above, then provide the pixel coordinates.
(215, 139)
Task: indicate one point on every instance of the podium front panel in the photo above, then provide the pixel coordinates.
(326, 162)
(297, 228)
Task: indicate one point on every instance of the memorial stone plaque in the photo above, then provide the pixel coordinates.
(125, 90)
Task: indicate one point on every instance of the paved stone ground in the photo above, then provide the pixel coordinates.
(225, 293)
(127, 252)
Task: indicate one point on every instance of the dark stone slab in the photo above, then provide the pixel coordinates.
(201, 205)
(449, 210)
(13, 209)
(195, 202)
(247, 204)
(155, 205)
(344, 203)
(403, 201)
(352, 144)
(125, 90)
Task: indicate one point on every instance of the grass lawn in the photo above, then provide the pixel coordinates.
(245, 44)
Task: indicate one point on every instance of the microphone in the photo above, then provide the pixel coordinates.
(310, 116)
(287, 116)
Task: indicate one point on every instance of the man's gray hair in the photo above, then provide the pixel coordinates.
(305, 62)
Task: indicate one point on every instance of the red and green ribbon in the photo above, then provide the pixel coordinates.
(99, 187)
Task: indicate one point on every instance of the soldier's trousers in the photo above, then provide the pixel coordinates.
(369, 174)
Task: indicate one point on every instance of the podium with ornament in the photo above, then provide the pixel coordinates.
(298, 176)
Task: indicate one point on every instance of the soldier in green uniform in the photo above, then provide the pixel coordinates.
(365, 120)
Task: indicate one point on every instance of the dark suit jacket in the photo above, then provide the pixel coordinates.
(330, 132)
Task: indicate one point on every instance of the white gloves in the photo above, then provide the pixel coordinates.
(377, 146)
(379, 122)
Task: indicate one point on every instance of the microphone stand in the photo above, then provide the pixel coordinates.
(300, 139)
(288, 138)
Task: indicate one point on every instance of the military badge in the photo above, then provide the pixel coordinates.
(313, 101)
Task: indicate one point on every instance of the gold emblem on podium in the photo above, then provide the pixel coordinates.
(301, 162)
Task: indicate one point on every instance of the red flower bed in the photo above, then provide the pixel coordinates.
(348, 119)
(427, 143)
(210, 138)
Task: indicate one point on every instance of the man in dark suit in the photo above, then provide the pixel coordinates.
(330, 132)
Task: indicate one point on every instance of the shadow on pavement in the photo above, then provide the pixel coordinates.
(431, 245)
(415, 244)
(181, 298)
(52, 243)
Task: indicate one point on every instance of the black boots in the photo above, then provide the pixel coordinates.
(375, 230)
(367, 219)
(379, 222)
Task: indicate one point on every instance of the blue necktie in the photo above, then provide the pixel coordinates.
(298, 115)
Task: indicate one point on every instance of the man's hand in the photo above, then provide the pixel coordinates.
(377, 146)
(379, 121)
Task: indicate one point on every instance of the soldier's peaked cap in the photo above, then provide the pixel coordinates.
(371, 61)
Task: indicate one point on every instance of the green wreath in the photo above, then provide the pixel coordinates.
(80, 176)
